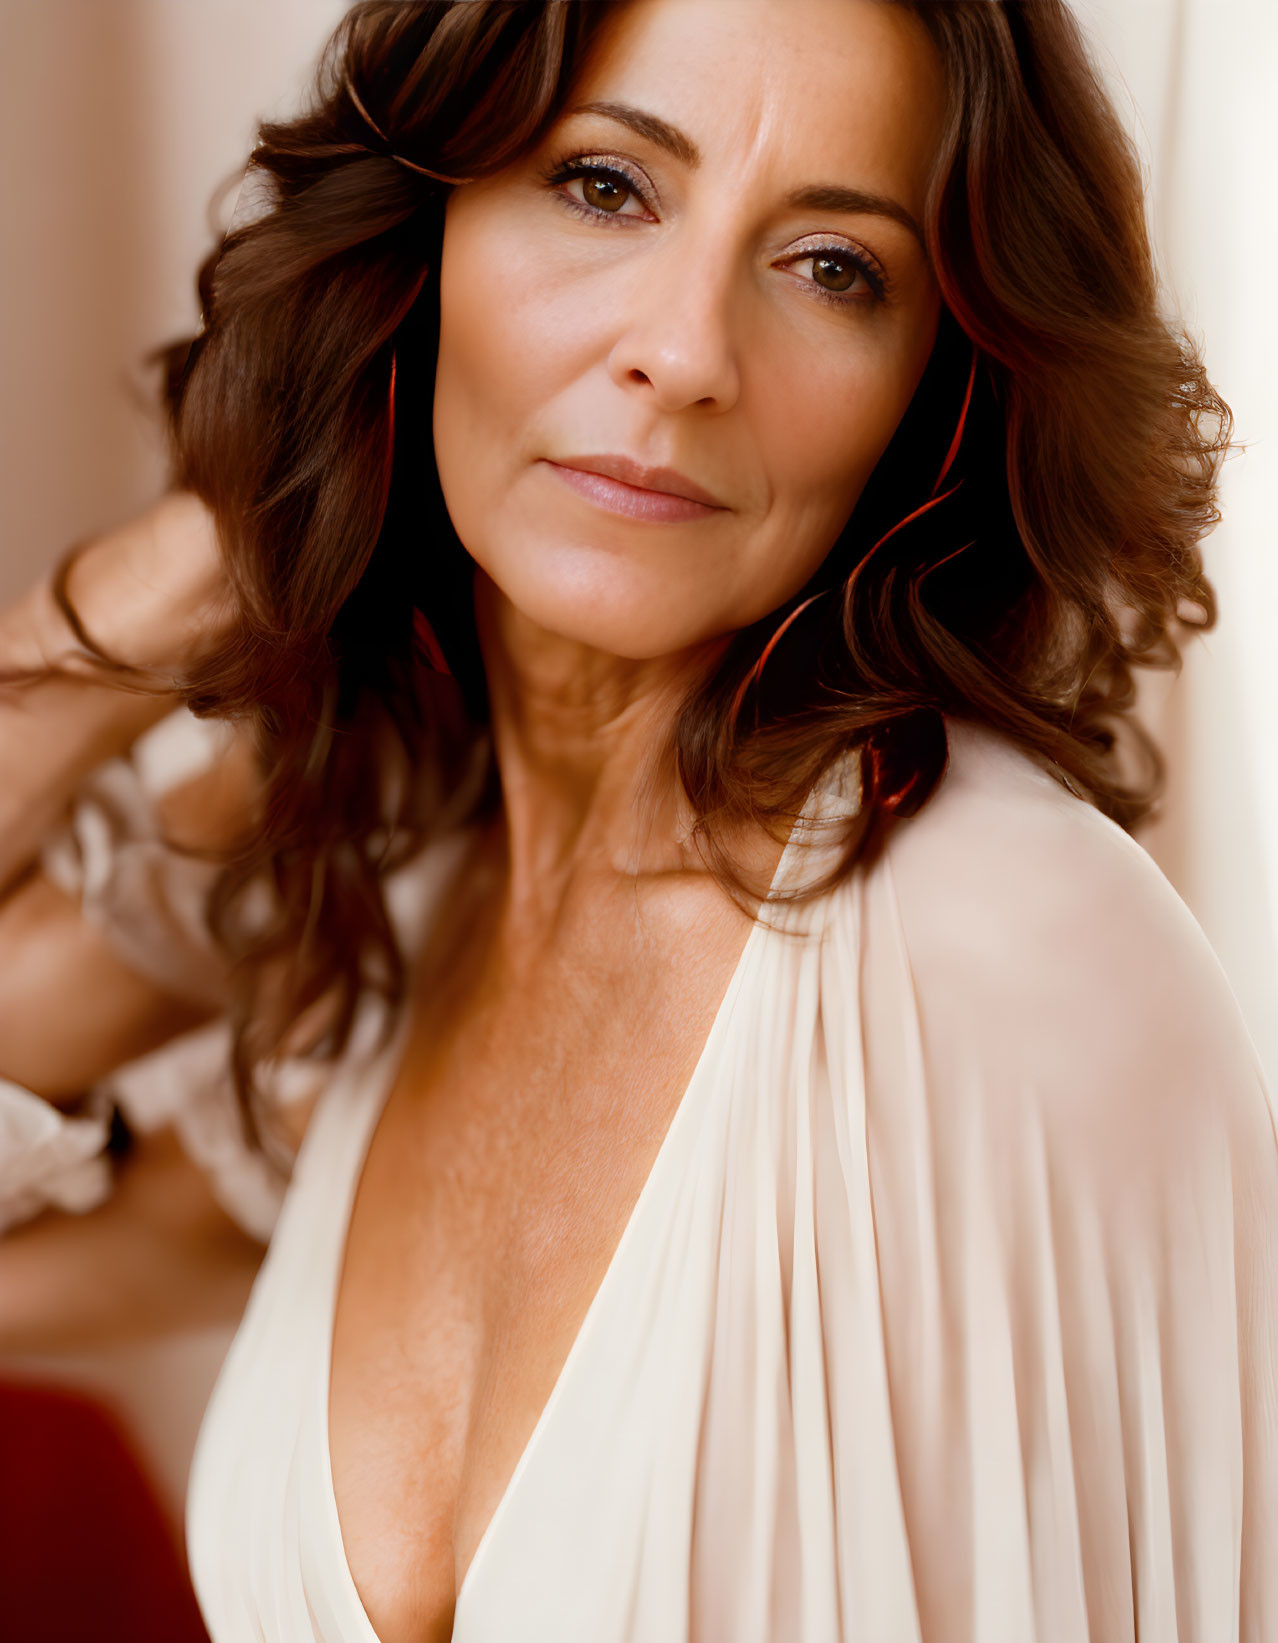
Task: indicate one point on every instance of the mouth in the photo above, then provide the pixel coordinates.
(621, 485)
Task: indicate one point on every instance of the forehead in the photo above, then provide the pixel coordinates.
(847, 91)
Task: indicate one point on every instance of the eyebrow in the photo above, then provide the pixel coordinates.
(856, 201)
(814, 197)
(656, 130)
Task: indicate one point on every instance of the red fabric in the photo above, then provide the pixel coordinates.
(86, 1551)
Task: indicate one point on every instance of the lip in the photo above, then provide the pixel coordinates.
(626, 486)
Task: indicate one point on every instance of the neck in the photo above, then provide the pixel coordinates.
(584, 746)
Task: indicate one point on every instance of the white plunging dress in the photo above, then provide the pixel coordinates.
(948, 1312)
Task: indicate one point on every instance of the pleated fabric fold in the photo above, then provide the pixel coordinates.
(947, 1314)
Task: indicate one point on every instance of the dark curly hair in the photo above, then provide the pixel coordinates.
(1028, 539)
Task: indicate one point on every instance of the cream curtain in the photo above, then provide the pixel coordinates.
(1195, 79)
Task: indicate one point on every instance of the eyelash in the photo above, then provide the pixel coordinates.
(579, 165)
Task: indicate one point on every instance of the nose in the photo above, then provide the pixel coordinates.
(678, 344)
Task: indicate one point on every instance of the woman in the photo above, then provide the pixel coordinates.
(664, 454)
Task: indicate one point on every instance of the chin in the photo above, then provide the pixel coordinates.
(592, 597)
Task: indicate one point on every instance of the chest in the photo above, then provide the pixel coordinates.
(499, 1178)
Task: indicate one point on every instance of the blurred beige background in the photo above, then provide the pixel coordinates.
(120, 118)
(1195, 79)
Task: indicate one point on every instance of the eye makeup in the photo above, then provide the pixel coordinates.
(858, 262)
(611, 171)
(607, 169)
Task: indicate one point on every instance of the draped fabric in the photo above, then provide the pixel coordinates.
(948, 1311)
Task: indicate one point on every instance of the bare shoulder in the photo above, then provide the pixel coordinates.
(1047, 946)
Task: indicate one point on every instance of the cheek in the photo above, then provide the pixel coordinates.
(511, 343)
(507, 338)
(826, 419)
(474, 394)
(515, 347)
(829, 416)
(522, 367)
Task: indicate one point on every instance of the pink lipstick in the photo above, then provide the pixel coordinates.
(658, 495)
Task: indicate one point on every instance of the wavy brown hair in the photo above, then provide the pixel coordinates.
(1028, 540)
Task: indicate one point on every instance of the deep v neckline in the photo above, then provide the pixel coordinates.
(679, 1121)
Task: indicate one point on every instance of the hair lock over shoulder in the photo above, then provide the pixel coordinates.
(1028, 540)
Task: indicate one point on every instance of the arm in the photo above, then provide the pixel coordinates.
(151, 593)
(50, 952)
(51, 955)
(103, 953)
(159, 1256)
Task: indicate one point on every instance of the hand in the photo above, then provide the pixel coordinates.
(152, 592)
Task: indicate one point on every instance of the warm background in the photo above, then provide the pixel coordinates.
(119, 119)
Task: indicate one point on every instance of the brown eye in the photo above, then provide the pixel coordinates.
(603, 193)
(833, 274)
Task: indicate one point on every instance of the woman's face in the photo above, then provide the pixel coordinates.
(708, 266)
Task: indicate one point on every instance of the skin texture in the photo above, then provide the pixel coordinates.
(687, 329)
(580, 959)
(684, 332)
